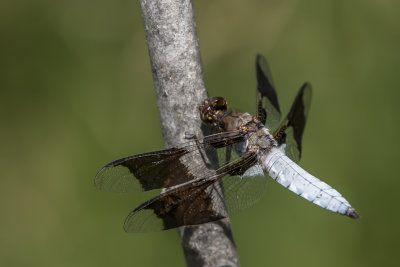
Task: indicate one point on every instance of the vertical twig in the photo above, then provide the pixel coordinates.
(178, 80)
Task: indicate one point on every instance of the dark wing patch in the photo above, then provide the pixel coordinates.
(187, 205)
(143, 172)
(161, 169)
(191, 203)
(290, 132)
(268, 110)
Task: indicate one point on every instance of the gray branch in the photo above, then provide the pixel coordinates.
(178, 79)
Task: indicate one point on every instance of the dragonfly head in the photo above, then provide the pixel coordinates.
(211, 108)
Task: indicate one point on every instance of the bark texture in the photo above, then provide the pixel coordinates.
(178, 80)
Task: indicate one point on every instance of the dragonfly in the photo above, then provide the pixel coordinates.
(243, 149)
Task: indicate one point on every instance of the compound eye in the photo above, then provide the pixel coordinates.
(220, 103)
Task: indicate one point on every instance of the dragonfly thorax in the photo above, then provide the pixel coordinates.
(265, 140)
(257, 135)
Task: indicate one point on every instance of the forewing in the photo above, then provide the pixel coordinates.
(290, 132)
(161, 169)
(268, 110)
(144, 171)
(194, 202)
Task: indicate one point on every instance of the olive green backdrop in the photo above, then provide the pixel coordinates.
(76, 92)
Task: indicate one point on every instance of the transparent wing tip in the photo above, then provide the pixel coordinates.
(352, 213)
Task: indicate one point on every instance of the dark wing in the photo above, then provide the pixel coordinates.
(290, 132)
(161, 169)
(194, 202)
(268, 110)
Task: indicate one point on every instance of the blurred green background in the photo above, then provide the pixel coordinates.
(76, 92)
